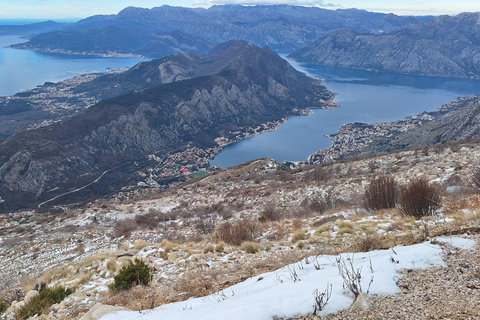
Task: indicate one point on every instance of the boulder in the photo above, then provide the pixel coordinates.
(99, 310)
(30, 295)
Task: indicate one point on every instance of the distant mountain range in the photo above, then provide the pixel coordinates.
(140, 31)
(29, 29)
(114, 41)
(237, 87)
(446, 47)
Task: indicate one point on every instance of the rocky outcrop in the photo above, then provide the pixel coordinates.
(446, 47)
(255, 87)
(99, 310)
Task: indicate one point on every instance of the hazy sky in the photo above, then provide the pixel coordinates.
(56, 9)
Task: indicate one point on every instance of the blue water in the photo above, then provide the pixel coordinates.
(363, 96)
(25, 69)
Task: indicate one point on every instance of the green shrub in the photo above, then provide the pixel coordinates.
(3, 307)
(129, 276)
(41, 302)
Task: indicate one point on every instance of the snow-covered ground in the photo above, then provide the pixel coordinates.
(289, 291)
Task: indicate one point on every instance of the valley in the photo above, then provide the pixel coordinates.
(112, 208)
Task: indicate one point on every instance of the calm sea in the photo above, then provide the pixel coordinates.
(363, 96)
(25, 69)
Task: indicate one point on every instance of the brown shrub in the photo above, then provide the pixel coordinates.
(475, 178)
(317, 174)
(239, 231)
(205, 225)
(272, 213)
(419, 199)
(149, 220)
(381, 193)
(124, 227)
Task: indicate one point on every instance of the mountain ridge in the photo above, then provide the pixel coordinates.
(280, 27)
(255, 88)
(445, 47)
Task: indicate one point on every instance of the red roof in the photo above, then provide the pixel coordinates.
(184, 170)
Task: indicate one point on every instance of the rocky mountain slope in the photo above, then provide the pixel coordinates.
(446, 47)
(280, 27)
(255, 87)
(187, 237)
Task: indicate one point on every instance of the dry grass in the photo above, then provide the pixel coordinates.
(368, 243)
(91, 259)
(140, 244)
(299, 235)
(251, 247)
(345, 227)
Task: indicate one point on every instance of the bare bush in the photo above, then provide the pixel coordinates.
(381, 193)
(149, 220)
(272, 213)
(317, 205)
(317, 174)
(321, 298)
(124, 227)
(475, 178)
(205, 225)
(351, 276)
(419, 199)
(239, 231)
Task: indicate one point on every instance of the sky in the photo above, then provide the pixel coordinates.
(63, 9)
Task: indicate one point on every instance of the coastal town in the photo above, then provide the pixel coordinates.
(58, 100)
(355, 139)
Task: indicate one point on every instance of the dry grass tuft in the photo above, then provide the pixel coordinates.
(140, 244)
(299, 235)
(251, 247)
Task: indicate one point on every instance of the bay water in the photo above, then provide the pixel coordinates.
(363, 96)
(25, 69)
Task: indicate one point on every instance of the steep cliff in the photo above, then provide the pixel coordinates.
(254, 87)
(446, 47)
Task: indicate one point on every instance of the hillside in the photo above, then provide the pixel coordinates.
(117, 41)
(443, 47)
(194, 116)
(280, 27)
(293, 224)
(455, 121)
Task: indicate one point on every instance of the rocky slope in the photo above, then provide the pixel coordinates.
(280, 27)
(254, 88)
(446, 47)
(308, 212)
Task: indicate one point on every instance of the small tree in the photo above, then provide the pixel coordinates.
(419, 199)
(381, 193)
(131, 275)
